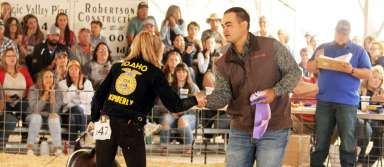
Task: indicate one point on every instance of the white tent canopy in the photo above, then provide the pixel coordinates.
(296, 17)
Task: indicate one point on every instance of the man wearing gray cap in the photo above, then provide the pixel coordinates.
(6, 42)
(338, 96)
(44, 53)
(136, 24)
(149, 25)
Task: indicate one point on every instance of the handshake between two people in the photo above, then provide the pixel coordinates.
(201, 99)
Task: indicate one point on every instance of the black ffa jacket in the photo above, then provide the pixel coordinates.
(130, 89)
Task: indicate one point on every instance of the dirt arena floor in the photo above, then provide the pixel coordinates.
(20, 160)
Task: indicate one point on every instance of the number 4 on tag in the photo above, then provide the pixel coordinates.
(102, 130)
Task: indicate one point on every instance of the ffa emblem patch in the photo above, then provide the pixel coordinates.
(126, 82)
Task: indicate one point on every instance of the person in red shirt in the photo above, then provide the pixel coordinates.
(67, 36)
(303, 123)
(16, 82)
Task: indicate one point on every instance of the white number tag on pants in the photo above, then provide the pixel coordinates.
(102, 130)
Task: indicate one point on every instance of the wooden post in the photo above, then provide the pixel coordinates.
(366, 21)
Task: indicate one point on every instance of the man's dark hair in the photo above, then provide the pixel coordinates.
(303, 50)
(98, 23)
(193, 23)
(241, 14)
(84, 30)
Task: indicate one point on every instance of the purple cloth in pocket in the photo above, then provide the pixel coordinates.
(262, 117)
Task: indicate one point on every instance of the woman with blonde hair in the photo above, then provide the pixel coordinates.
(5, 11)
(16, 81)
(373, 129)
(374, 84)
(59, 66)
(172, 25)
(44, 104)
(376, 52)
(126, 97)
(77, 93)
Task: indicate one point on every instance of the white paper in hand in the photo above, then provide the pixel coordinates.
(102, 130)
(344, 58)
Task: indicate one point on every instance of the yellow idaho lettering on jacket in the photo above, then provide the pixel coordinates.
(135, 65)
(120, 99)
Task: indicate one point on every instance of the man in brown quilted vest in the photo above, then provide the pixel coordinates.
(249, 65)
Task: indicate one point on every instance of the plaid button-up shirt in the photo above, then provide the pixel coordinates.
(8, 43)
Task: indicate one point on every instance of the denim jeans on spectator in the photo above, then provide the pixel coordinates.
(36, 121)
(215, 119)
(377, 131)
(219, 119)
(7, 125)
(327, 116)
(155, 116)
(363, 136)
(75, 121)
(19, 109)
(268, 151)
(185, 133)
(223, 121)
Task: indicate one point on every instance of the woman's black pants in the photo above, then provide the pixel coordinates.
(129, 137)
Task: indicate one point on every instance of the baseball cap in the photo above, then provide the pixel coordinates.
(53, 30)
(213, 16)
(149, 21)
(307, 34)
(61, 54)
(142, 5)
